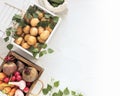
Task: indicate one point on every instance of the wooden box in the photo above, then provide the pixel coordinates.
(28, 63)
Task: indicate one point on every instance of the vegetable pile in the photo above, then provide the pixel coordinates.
(16, 77)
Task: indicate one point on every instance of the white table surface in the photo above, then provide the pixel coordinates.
(82, 58)
(75, 45)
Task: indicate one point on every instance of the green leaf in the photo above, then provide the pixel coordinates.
(47, 15)
(80, 94)
(73, 92)
(28, 15)
(55, 19)
(44, 46)
(36, 50)
(44, 52)
(50, 50)
(8, 33)
(9, 46)
(35, 15)
(41, 54)
(17, 18)
(66, 91)
(45, 91)
(49, 87)
(43, 24)
(6, 39)
(60, 93)
(56, 84)
(54, 94)
(34, 54)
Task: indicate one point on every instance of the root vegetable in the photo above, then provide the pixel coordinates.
(25, 45)
(31, 40)
(9, 68)
(26, 37)
(26, 29)
(34, 22)
(21, 84)
(19, 40)
(29, 74)
(2, 76)
(49, 29)
(40, 30)
(6, 90)
(21, 66)
(40, 40)
(33, 31)
(19, 93)
(12, 92)
(45, 35)
(19, 31)
(3, 85)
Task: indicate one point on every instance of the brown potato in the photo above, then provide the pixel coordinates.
(49, 29)
(34, 22)
(33, 31)
(40, 40)
(31, 40)
(25, 45)
(43, 19)
(19, 40)
(40, 30)
(45, 35)
(26, 29)
(23, 41)
(40, 14)
(26, 37)
(19, 31)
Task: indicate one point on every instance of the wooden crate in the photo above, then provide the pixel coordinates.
(28, 63)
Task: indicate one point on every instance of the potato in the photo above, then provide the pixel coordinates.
(33, 31)
(40, 30)
(19, 40)
(31, 40)
(34, 22)
(40, 15)
(49, 29)
(26, 29)
(19, 31)
(45, 35)
(40, 40)
(43, 19)
(25, 45)
(26, 37)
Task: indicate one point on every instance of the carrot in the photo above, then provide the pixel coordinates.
(12, 92)
(3, 85)
(1, 81)
(2, 75)
(6, 90)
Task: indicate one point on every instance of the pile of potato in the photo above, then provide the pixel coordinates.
(31, 34)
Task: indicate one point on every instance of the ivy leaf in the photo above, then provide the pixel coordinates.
(41, 54)
(17, 18)
(66, 91)
(35, 50)
(50, 50)
(35, 15)
(49, 87)
(55, 19)
(80, 94)
(8, 33)
(9, 46)
(56, 84)
(60, 93)
(45, 91)
(44, 46)
(73, 92)
(54, 94)
(6, 39)
(34, 54)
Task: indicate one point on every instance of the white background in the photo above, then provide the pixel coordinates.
(87, 48)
